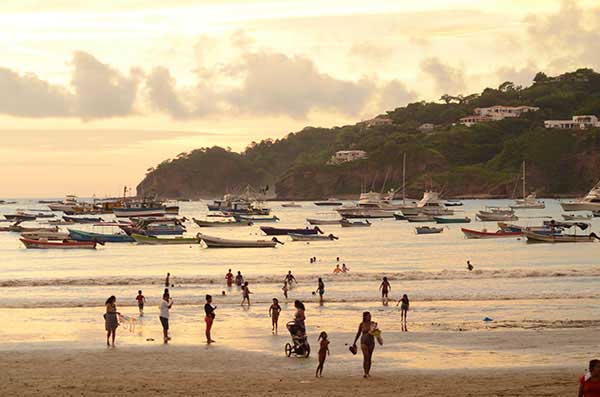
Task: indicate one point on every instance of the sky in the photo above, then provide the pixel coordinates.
(95, 93)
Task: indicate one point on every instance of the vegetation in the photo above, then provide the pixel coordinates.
(484, 159)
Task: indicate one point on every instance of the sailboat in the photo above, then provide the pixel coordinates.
(529, 201)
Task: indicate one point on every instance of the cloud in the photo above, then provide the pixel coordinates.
(370, 51)
(446, 79)
(274, 83)
(162, 93)
(523, 76)
(395, 94)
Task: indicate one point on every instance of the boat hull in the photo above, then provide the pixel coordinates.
(428, 230)
(311, 237)
(314, 221)
(80, 235)
(151, 240)
(559, 238)
(477, 234)
(221, 224)
(139, 212)
(451, 220)
(580, 206)
(218, 242)
(274, 231)
(41, 244)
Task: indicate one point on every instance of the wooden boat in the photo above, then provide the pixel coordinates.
(65, 244)
(155, 227)
(480, 234)
(140, 210)
(419, 218)
(153, 240)
(497, 217)
(438, 219)
(399, 216)
(314, 221)
(60, 222)
(255, 219)
(46, 235)
(80, 235)
(221, 223)
(577, 217)
(218, 242)
(21, 229)
(275, 231)
(559, 238)
(82, 219)
(291, 205)
(428, 230)
(347, 223)
(329, 202)
(20, 217)
(312, 237)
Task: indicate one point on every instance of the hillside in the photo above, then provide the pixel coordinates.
(483, 159)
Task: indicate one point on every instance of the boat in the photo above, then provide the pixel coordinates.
(481, 234)
(591, 201)
(277, 231)
(420, 218)
(347, 223)
(438, 219)
(486, 217)
(60, 222)
(453, 203)
(528, 201)
(69, 204)
(20, 217)
(428, 230)
(330, 202)
(21, 229)
(312, 237)
(246, 203)
(82, 219)
(155, 227)
(46, 235)
(596, 213)
(315, 221)
(153, 240)
(509, 227)
(559, 238)
(371, 205)
(497, 210)
(80, 235)
(577, 217)
(291, 205)
(430, 204)
(218, 242)
(399, 216)
(227, 223)
(65, 244)
(255, 218)
(138, 209)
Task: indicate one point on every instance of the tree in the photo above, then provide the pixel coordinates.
(540, 77)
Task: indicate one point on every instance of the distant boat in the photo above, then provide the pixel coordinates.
(82, 219)
(315, 221)
(202, 223)
(20, 217)
(312, 237)
(153, 240)
(559, 238)
(481, 234)
(430, 204)
(68, 244)
(576, 217)
(218, 242)
(399, 216)
(155, 227)
(419, 218)
(451, 203)
(428, 230)
(80, 235)
(347, 223)
(21, 229)
(331, 201)
(255, 218)
(46, 236)
(141, 209)
(497, 214)
(528, 201)
(591, 201)
(291, 205)
(275, 231)
(438, 219)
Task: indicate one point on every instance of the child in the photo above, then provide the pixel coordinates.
(209, 310)
(274, 311)
(285, 289)
(141, 300)
(229, 279)
(246, 293)
(404, 310)
(323, 352)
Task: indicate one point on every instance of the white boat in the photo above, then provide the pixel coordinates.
(315, 221)
(291, 205)
(528, 201)
(225, 223)
(371, 205)
(69, 204)
(140, 209)
(46, 236)
(312, 237)
(559, 238)
(497, 217)
(591, 201)
(347, 223)
(430, 204)
(218, 242)
(577, 217)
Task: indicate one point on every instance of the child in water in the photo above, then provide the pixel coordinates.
(323, 352)
(141, 300)
(246, 293)
(285, 289)
(274, 311)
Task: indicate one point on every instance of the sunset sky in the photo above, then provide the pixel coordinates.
(96, 92)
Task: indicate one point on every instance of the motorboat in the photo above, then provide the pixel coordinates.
(481, 234)
(69, 204)
(371, 205)
(577, 217)
(255, 218)
(277, 231)
(82, 219)
(399, 216)
(430, 204)
(428, 230)
(330, 202)
(347, 223)
(420, 218)
(315, 221)
(16, 227)
(225, 223)
(219, 242)
(591, 201)
(80, 235)
(559, 237)
(46, 235)
(246, 203)
(442, 220)
(312, 237)
(65, 244)
(154, 227)
(20, 217)
(497, 217)
(153, 240)
(140, 209)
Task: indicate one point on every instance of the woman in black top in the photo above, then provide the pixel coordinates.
(209, 309)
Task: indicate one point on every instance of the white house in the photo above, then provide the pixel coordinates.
(378, 121)
(345, 156)
(499, 112)
(472, 120)
(577, 122)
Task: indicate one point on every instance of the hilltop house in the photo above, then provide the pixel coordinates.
(345, 156)
(379, 120)
(495, 113)
(577, 122)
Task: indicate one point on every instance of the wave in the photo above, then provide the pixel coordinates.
(274, 279)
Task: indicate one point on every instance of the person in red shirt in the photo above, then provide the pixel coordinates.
(589, 384)
(141, 300)
(229, 278)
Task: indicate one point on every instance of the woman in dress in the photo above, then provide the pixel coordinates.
(366, 330)
(111, 321)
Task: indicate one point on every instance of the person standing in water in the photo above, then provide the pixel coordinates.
(239, 279)
(274, 311)
(246, 294)
(111, 321)
(367, 342)
(337, 269)
(323, 352)
(165, 305)
(385, 288)
(405, 304)
(209, 310)
(469, 266)
(141, 300)
(321, 290)
(345, 269)
(229, 279)
(168, 280)
(285, 289)
(290, 278)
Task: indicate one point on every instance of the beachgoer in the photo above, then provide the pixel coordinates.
(345, 269)
(469, 266)
(300, 316)
(285, 289)
(229, 278)
(385, 288)
(209, 310)
(111, 321)
(239, 279)
(589, 383)
(167, 280)
(321, 290)
(367, 331)
(323, 352)
(290, 278)
(337, 259)
(141, 300)
(403, 310)
(165, 305)
(246, 293)
(337, 269)
(274, 311)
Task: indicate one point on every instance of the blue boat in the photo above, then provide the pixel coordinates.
(80, 235)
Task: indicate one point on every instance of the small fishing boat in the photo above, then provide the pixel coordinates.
(428, 230)
(82, 219)
(480, 234)
(153, 240)
(577, 217)
(399, 216)
(46, 236)
(291, 205)
(80, 235)
(497, 217)
(141, 209)
(559, 237)
(255, 219)
(60, 222)
(313, 237)
(21, 229)
(275, 231)
(315, 221)
(438, 219)
(155, 227)
(347, 223)
(218, 242)
(452, 203)
(65, 244)
(20, 217)
(329, 202)
(226, 223)
(419, 218)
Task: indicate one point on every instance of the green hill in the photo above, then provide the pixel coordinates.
(483, 159)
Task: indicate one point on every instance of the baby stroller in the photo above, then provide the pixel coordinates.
(299, 345)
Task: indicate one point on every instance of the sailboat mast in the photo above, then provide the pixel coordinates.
(404, 178)
(524, 179)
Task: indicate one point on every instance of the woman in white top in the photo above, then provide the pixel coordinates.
(165, 305)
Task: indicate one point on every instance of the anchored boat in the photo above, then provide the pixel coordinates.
(65, 244)
(153, 240)
(218, 242)
(479, 234)
(226, 223)
(313, 237)
(275, 231)
(428, 230)
(80, 235)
